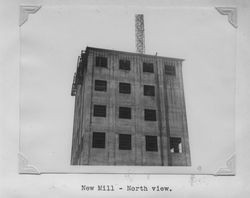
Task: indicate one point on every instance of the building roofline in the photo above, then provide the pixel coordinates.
(131, 53)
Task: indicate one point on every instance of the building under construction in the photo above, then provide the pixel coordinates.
(129, 110)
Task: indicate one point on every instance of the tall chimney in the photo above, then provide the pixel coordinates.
(139, 34)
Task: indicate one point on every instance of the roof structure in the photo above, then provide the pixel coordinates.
(130, 53)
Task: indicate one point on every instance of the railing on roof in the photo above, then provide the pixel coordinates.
(78, 76)
(73, 89)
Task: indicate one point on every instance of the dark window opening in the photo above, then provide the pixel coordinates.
(124, 142)
(124, 64)
(170, 70)
(100, 110)
(100, 85)
(148, 67)
(124, 88)
(101, 61)
(98, 140)
(151, 143)
(125, 112)
(149, 90)
(150, 115)
(175, 145)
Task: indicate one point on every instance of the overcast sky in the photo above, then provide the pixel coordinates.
(53, 38)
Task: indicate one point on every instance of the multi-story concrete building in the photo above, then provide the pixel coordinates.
(129, 110)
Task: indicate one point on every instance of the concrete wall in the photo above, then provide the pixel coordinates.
(168, 102)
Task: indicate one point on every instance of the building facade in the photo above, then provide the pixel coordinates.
(129, 110)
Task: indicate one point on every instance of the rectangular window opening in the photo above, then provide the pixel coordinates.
(124, 64)
(151, 143)
(170, 70)
(149, 114)
(125, 112)
(99, 110)
(175, 145)
(124, 88)
(98, 140)
(124, 142)
(149, 90)
(100, 85)
(148, 67)
(101, 61)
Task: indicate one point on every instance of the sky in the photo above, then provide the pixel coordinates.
(52, 39)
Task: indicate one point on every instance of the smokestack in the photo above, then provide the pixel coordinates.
(139, 33)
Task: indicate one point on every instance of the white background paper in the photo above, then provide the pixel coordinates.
(14, 185)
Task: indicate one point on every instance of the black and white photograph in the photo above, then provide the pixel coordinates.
(124, 98)
(112, 89)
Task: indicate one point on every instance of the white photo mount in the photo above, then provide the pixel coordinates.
(25, 10)
(231, 13)
(26, 165)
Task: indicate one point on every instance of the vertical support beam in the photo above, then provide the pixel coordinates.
(139, 33)
(111, 133)
(87, 114)
(162, 103)
(185, 144)
(136, 69)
